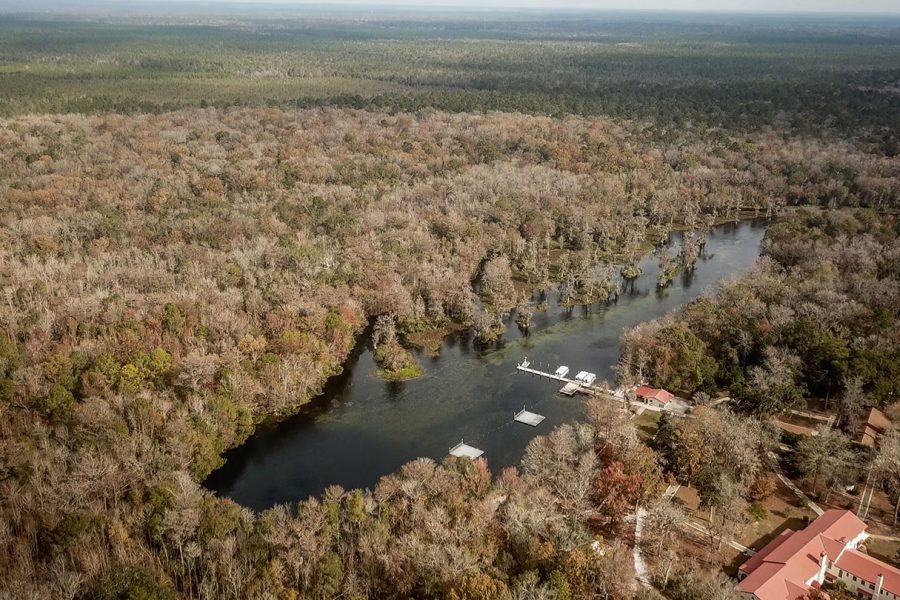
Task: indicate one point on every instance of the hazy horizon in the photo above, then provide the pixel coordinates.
(862, 7)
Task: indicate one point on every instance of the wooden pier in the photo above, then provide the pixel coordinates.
(570, 386)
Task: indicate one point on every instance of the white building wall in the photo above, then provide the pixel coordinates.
(852, 585)
(847, 578)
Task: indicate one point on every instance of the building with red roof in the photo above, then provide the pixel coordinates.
(796, 562)
(873, 428)
(653, 395)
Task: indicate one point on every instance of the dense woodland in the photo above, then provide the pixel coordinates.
(813, 75)
(819, 317)
(171, 280)
(185, 253)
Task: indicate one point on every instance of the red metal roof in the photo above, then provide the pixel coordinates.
(770, 582)
(782, 568)
(878, 420)
(868, 568)
(657, 394)
(757, 559)
(796, 591)
(875, 425)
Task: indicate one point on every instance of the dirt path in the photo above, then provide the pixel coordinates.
(737, 546)
(640, 567)
(790, 484)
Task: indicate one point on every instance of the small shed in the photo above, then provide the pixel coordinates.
(655, 396)
(874, 428)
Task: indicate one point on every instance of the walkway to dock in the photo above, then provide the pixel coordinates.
(570, 386)
(677, 406)
(582, 384)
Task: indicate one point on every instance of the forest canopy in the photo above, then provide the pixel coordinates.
(173, 279)
(826, 76)
(818, 317)
(201, 219)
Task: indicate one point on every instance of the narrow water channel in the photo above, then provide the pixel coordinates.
(363, 428)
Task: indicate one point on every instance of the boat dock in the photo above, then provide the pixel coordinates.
(582, 384)
(464, 450)
(528, 418)
(570, 389)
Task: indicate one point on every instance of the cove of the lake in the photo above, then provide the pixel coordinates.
(363, 428)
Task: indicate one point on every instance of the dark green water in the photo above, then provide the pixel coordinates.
(363, 428)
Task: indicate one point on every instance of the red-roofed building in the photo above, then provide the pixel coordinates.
(795, 562)
(653, 395)
(874, 428)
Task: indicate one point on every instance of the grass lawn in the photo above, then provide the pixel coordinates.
(696, 551)
(647, 424)
(879, 516)
(783, 511)
(882, 549)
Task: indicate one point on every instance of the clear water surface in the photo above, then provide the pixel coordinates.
(363, 428)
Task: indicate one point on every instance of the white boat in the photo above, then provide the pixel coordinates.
(562, 371)
(581, 375)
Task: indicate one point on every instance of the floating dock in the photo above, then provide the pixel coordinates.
(570, 386)
(584, 382)
(570, 389)
(528, 418)
(463, 450)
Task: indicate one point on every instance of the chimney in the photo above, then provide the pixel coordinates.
(878, 585)
(823, 565)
